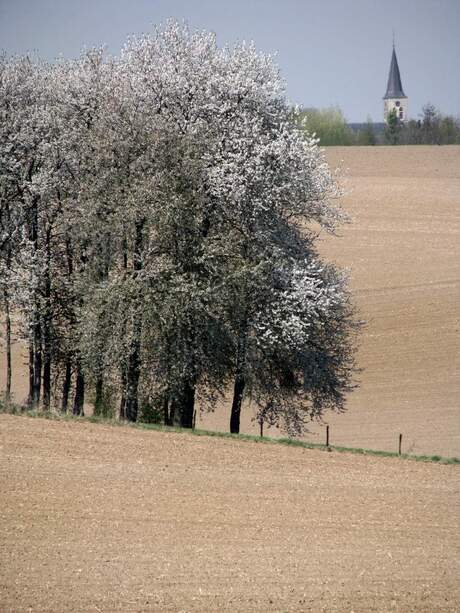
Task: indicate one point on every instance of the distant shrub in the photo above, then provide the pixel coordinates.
(105, 401)
(393, 128)
(366, 135)
(151, 411)
(329, 125)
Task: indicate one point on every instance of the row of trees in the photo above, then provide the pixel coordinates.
(331, 127)
(432, 128)
(159, 214)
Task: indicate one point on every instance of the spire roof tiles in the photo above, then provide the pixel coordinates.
(394, 87)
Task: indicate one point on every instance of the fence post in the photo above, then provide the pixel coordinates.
(261, 422)
(400, 443)
(327, 438)
(194, 419)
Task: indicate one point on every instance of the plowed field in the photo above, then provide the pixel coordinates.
(104, 518)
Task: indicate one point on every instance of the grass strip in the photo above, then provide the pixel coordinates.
(18, 410)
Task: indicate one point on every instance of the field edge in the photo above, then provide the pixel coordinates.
(19, 411)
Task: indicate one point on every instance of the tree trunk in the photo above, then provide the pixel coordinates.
(122, 412)
(238, 393)
(35, 320)
(125, 253)
(66, 386)
(79, 399)
(240, 380)
(183, 405)
(123, 395)
(133, 373)
(47, 327)
(8, 346)
(30, 399)
(188, 405)
(98, 401)
(172, 413)
(46, 372)
(166, 416)
(6, 299)
(68, 362)
(134, 361)
(37, 360)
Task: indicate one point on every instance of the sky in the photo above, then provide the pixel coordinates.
(331, 52)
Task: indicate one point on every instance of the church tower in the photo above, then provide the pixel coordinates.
(395, 97)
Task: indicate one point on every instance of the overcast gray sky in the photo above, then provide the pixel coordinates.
(330, 51)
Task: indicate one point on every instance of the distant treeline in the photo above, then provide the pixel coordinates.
(433, 128)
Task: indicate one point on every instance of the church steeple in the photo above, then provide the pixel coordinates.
(394, 87)
(395, 99)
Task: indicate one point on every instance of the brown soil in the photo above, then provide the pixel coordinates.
(104, 518)
(403, 252)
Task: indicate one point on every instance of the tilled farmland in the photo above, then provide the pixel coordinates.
(106, 518)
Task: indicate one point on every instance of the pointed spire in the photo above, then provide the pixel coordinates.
(394, 87)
